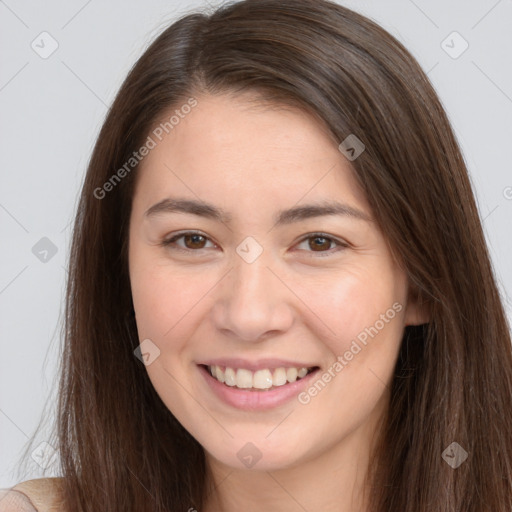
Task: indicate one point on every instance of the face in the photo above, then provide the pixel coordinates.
(260, 291)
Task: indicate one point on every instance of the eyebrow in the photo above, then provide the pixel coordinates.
(283, 217)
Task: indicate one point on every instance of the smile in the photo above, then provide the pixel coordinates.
(263, 379)
(265, 388)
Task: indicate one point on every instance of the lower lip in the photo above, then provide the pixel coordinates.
(255, 400)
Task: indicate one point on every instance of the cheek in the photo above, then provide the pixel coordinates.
(365, 312)
(348, 304)
(170, 305)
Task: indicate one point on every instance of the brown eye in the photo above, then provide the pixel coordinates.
(320, 243)
(191, 242)
(194, 241)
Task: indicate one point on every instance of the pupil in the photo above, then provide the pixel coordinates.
(195, 239)
(320, 245)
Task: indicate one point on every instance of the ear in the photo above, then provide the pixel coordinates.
(417, 311)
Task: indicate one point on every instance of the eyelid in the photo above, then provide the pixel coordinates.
(176, 236)
(316, 234)
(341, 244)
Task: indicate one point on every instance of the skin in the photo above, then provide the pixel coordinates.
(294, 301)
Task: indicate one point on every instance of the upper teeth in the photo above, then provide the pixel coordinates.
(261, 379)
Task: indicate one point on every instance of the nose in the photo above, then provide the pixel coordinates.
(253, 302)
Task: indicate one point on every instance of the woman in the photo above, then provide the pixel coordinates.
(280, 295)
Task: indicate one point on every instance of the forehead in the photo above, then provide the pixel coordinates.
(238, 147)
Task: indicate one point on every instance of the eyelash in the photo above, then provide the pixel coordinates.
(341, 245)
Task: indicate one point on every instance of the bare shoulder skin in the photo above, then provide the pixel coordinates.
(15, 501)
(37, 495)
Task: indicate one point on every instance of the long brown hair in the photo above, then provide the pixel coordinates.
(120, 447)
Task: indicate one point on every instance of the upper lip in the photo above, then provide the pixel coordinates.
(260, 364)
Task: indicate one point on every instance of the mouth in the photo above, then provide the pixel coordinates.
(264, 379)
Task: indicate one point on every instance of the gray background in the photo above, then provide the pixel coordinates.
(52, 109)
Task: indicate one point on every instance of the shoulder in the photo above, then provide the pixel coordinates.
(38, 495)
